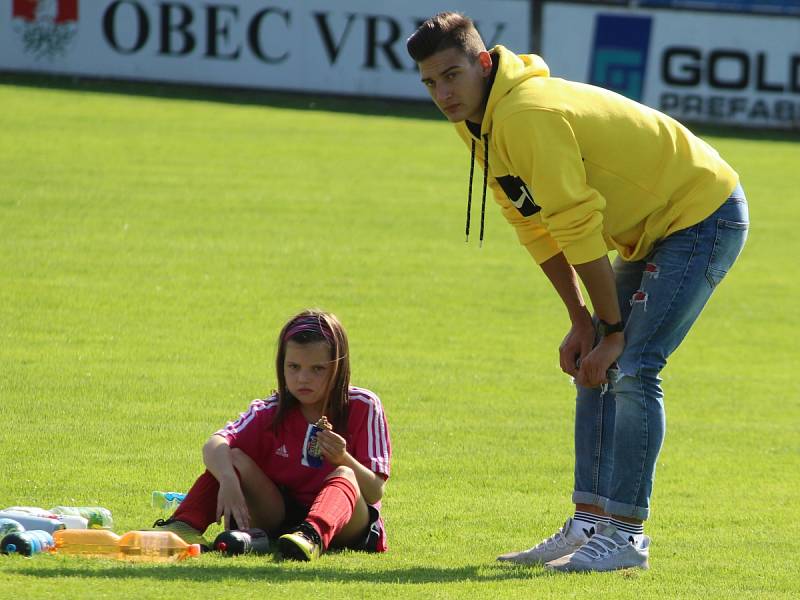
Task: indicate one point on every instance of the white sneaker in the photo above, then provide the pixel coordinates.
(562, 543)
(607, 550)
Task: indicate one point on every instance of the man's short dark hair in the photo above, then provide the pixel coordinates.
(443, 31)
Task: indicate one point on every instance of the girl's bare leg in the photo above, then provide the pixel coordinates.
(264, 499)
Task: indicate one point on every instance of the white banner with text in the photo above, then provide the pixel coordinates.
(699, 67)
(351, 47)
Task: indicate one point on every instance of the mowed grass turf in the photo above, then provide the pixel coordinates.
(152, 243)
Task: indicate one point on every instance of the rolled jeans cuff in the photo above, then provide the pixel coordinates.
(619, 509)
(610, 507)
(589, 498)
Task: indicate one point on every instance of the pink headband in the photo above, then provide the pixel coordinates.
(311, 324)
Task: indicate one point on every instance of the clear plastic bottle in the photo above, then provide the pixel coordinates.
(167, 501)
(155, 545)
(10, 526)
(33, 523)
(70, 521)
(248, 541)
(87, 542)
(96, 517)
(31, 511)
(27, 543)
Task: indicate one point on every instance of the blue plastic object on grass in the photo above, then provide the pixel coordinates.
(8, 526)
(27, 543)
(167, 500)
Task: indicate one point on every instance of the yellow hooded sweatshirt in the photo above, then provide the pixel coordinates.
(582, 170)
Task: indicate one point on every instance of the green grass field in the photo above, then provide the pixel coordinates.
(152, 243)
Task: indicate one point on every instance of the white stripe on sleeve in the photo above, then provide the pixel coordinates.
(377, 439)
(256, 406)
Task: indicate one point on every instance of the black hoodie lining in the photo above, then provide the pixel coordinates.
(475, 128)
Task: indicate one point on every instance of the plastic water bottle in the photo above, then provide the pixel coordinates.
(155, 545)
(71, 521)
(96, 517)
(87, 542)
(33, 523)
(137, 545)
(27, 543)
(32, 511)
(10, 526)
(248, 541)
(167, 501)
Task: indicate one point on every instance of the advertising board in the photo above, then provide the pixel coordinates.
(700, 67)
(352, 47)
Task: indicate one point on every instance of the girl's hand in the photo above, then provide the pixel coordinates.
(231, 503)
(333, 447)
(594, 367)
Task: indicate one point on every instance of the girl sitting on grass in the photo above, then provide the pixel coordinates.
(266, 470)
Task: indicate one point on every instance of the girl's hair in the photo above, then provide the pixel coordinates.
(313, 325)
(443, 31)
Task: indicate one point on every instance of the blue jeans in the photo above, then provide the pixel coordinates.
(619, 430)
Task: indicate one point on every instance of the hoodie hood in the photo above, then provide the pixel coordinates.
(510, 70)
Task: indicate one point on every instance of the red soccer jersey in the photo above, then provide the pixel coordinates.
(281, 455)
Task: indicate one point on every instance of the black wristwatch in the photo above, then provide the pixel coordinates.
(604, 329)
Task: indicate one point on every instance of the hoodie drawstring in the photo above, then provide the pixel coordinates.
(469, 194)
(485, 180)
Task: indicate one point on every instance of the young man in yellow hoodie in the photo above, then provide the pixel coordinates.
(580, 171)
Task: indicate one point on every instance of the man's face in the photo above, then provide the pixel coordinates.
(457, 85)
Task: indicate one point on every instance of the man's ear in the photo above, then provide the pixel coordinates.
(486, 63)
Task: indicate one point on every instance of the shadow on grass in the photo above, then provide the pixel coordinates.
(411, 109)
(274, 572)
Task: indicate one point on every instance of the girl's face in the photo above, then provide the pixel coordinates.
(307, 369)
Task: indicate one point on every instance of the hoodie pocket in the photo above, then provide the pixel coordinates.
(728, 244)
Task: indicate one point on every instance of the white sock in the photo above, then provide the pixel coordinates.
(633, 532)
(587, 522)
